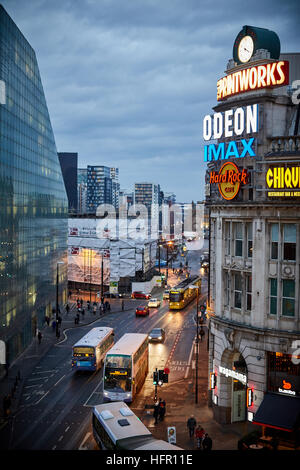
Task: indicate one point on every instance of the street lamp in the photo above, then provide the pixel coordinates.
(197, 344)
(59, 263)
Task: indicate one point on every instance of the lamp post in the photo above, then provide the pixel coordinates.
(101, 277)
(197, 348)
(57, 306)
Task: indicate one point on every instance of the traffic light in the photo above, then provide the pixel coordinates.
(165, 378)
(155, 378)
(160, 377)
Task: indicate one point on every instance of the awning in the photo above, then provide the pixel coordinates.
(278, 411)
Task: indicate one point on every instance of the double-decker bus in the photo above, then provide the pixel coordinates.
(184, 293)
(125, 367)
(89, 352)
(116, 427)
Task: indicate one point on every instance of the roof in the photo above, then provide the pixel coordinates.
(94, 336)
(128, 344)
(278, 411)
(135, 428)
(157, 444)
(186, 283)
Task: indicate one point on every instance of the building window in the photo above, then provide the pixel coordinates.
(237, 291)
(227, 238)
(248, 292)
(289, 242)
(274, 241)
(249, 240)
(227, 288)
(273, 296)
(288, 297)
(238, 238)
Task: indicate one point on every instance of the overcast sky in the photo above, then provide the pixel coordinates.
(128, 82)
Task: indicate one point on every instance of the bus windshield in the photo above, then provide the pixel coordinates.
(175, 296)
(83, 351)
(117, 377)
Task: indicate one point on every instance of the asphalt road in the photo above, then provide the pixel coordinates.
(56, 403)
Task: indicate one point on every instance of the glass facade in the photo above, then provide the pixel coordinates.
(33, 201)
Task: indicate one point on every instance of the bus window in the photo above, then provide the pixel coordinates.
(175, 297)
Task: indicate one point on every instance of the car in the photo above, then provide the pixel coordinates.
(142, 311)
(154, 303)
(166, 294)
(157, 335)
(140, 295)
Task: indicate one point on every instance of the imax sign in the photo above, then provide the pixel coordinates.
(232, 123)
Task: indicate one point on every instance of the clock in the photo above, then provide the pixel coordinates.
(252, 38)
(245, 49)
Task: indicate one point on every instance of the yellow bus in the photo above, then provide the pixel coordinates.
(184, 293)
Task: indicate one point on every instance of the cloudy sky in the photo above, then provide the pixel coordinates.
(128, 82)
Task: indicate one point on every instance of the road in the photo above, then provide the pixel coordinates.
(56, 403)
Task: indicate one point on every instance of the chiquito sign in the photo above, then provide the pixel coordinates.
(232, 123)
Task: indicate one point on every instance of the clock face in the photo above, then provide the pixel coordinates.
(245, 49)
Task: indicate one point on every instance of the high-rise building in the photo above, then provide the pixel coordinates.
(253, 198)
(148, 195)
(82, 190)
(99, 187)
(69, 163)
(114, 174)
(33, 200)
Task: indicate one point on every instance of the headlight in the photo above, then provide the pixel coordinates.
(128, 394)
(105, 393)
(149, 337)
(160, 337)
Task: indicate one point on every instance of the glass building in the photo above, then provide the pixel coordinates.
(33, 201)
(99, 187)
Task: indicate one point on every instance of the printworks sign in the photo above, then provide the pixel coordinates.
(229, 180)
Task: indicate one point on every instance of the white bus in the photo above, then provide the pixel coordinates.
(116, 427)
(89, 352)
(125, 367)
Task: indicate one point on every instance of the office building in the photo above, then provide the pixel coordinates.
(33, 200)
(82, 190)
(69, 163)
(99, 187)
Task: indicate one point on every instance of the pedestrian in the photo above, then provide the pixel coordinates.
(40, 337)
(82, 312)
(53, 325)
(81, 302)
(207, 443)
(47, 319)
(88, 304)
(202, 333)
(156, 411)
(122, 305)
(162, 409)
(94, 309)
(199, 434)
(67, 308)
(191, 424)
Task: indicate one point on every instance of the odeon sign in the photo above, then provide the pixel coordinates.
(273, 74)
(231, 123)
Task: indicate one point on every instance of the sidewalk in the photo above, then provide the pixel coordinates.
(180, 400)
(12, 384)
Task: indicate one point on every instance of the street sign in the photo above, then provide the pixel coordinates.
(172, 435)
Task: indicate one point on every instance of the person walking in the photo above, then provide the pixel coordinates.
(39, 337)
(191, 424)
(47, 319)
(201, 333)
(156, 411)
(207, 443)
(54, 325)
(88, 304)
(122, 305)
(67, 308)
(199, 434)
(94, 309)
(82, 312)
(162, 409)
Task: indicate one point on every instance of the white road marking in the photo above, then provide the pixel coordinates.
(61, 438)
(59, 380)
(189, 361)
(67, 429)
(85, 404)
(41, 398)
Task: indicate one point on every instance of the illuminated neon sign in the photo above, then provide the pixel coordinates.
(273, 74)
(231, 123)
(232, 373)
(283, 181)
(229, 179)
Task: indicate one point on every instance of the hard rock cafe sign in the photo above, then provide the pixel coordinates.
(229, 179)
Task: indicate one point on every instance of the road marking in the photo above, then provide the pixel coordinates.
(189, 361)
(61, 438)
(67, 429)
(94, 391)
(81, 445)
(45, 371)
(41, 398)
(59, 380)
(54, 447)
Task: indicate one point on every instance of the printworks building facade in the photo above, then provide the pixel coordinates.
(253, 197)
